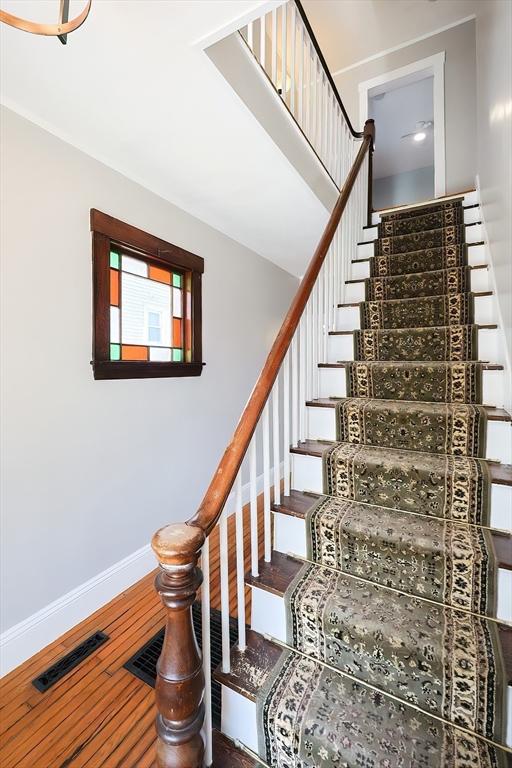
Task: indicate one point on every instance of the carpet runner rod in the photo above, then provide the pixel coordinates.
(386, 694)
(401, 591)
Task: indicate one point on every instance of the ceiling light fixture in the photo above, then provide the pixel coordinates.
(60, 30)
(420, 136)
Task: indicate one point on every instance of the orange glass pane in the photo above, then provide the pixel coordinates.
(133, 353)
(176, 332)
(114, 287)
(162, 275)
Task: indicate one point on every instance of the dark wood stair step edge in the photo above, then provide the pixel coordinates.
(369, 258)
(227, 755)
(501, 474)
(345, 363)
(275, 577)
(298, 503)
(493, 414)
(357, 303)
(464, 208)
(471, 224)
(481, 327)
(386, 277)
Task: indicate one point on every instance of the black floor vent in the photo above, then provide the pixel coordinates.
(143, 663)
(68, 662)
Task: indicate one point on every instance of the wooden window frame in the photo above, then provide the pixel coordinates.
(109, 232)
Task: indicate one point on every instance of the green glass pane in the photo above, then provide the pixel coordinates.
(177, 355)
(115, 351)
(114, 260)
(176, 280)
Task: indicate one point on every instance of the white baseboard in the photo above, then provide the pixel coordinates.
(34, 633)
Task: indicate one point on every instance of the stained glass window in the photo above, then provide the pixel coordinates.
(146, 311)
(147, 304)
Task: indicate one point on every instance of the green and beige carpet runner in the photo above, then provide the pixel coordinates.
(391, 618)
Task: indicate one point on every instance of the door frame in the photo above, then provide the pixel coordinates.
(417, 70)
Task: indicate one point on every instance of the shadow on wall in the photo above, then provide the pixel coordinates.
(408, 187)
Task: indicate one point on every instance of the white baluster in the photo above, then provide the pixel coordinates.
(274, 47)
(275, 446)
(253, 506)
(267, 515)
(301, 54)
(263, 41)
(293, 32)
(240, 564)
(205, 649)
(250, 35)
(302, 377)
(286, 423)
(224, 590)
(283, 51)
(295, 389)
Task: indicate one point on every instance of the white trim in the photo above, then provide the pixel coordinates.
(23, 640)
(407, 43)
(496, 297)
(431, 65)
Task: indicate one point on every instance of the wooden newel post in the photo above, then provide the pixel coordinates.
(180, 680)
(369, 130)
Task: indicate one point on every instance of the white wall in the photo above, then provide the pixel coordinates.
(494, 159)
(460, 95)
(92, 468)
(406, 187)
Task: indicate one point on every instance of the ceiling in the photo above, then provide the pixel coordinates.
(350, 31)
(396, 113)
(135, 89)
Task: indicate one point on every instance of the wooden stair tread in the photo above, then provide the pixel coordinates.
(249, 668)
(298, 503)
(277, 583)
(493, 414)
(345, 363)
(369, 258)
(415, 298)
(501, 474)
(481, 327)
(469, 224)
(364, 279)
(227, 755)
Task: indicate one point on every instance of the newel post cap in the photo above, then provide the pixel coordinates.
(177, 544)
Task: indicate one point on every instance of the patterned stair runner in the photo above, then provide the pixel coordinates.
(402, 571)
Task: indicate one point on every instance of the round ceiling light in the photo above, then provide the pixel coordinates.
(420, 136)
(60, 30)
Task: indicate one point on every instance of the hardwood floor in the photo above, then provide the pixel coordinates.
(99, 715)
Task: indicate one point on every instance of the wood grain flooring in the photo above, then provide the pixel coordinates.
(99, 715)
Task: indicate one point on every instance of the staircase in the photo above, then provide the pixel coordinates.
(379, 632)
(383, 548)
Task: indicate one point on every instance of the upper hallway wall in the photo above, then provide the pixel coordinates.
(460, 95)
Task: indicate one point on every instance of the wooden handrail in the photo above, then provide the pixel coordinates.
(180, 683)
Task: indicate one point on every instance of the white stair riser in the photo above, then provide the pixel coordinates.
(473, 234)
(479, 282)
(333, 383)
(471, 198)
(348, 318)
(290, 538)
(271, 616)
(476, 256)
(342, 347)
(321, 425)
(307, 476)
(239, 718)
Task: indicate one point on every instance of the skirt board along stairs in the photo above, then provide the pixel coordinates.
(381, 626)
